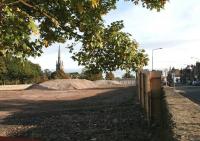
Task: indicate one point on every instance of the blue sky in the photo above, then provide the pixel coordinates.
(176, 29)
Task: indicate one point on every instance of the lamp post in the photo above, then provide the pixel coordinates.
(152, 55)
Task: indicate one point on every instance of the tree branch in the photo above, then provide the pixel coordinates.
(41, 11)
(11, 3)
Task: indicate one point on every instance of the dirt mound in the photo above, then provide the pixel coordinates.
(70, 84)
(38, 87)
(107, 83)
(65, 84)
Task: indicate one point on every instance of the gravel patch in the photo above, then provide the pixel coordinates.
(108, 115)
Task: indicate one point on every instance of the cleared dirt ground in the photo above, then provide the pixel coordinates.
(74, 115)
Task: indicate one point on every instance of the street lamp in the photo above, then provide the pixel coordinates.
(152, 55)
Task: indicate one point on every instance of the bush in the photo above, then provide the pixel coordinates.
(59, 75)
(91, 75)
(110, 76)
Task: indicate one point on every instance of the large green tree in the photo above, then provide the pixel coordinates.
(111, 49)
(28, 25)
(51, 21)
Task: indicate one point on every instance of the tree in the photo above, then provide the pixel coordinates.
(127, 75)
(111, 49)
(170, 79)
(52, 21)
(47, 72)
(74, 75)
(60, 74)
(3, 70)
(92, 75)
(36, 72)
(110, 76)
(46, 75)
(18, 71)
(14, 69)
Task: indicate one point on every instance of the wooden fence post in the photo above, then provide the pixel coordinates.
(155, 82)
(147, 94)
(138, 83)
(142, 89)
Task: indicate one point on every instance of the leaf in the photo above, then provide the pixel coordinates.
(80, 8)
(95, 3)
(54, 20)
(33, 27)
(45, 42)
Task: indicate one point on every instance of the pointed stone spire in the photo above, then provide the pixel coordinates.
(59, 63)
(59, 55)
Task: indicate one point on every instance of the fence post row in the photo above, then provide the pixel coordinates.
(149, 94)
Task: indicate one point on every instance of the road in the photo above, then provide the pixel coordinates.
(192, 92)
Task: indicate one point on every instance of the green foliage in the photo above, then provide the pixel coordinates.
(110, 49)
(3, 69)
(53, 21)
(127, 75)
(110, 76)
(74, 75)
(60, 74)
(46, 75)
(28, 25)
(14, 70)
(16, 27)
(91, 74)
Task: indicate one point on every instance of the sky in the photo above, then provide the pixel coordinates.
(175, 29)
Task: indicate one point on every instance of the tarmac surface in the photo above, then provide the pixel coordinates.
(191, 92)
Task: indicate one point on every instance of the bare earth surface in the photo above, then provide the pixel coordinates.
(14, 87)
(185, 115)
(112, 114)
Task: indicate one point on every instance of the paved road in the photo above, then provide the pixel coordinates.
(192, 92)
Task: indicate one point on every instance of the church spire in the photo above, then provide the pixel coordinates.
(59, 63)
(59, 54)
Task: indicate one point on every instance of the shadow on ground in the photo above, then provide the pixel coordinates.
(114, 115)
(167, 124)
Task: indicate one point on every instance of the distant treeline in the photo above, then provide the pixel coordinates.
(16, 71)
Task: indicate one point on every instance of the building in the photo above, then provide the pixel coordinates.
(190, 73)
(197, 75)
(59, 63)
(174, 75)
(187, 74)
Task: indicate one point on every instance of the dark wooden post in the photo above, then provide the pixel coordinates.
(155, 83)
(138, 83)
(147, 91)
(142, 89)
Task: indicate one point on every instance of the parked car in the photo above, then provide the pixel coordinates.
(195, 83)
